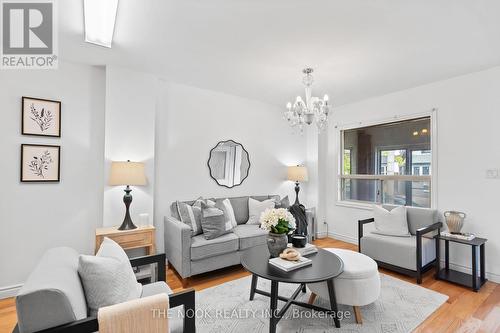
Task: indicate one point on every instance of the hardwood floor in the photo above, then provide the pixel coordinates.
(465, 310)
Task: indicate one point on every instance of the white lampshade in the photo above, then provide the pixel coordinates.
(297, 173)
(127, 173)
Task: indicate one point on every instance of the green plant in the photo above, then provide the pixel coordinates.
(282, 227)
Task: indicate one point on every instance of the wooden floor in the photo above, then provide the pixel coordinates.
(465, 310)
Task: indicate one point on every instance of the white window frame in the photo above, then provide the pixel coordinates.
(434, 160)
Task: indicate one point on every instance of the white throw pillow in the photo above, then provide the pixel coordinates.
(108, 277)
(256, 208)
(391, 223)
(227, 208)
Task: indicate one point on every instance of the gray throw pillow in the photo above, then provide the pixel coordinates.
(391, 223)
(107, 277)
(213, 221)
(283, 203)
(191, 214)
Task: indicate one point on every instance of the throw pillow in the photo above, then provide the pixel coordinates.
(391, 223)
(227, 208)
(214, 222)
(107, 277)
(191, 214)
(256, 208)
(283, 203)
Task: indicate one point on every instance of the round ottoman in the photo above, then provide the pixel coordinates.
(358, 285)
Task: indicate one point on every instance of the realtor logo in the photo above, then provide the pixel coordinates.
(29, 39)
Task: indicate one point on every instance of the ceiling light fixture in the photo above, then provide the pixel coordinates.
(312, 109)
(100, 18)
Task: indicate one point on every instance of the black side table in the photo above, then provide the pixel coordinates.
(467, 280)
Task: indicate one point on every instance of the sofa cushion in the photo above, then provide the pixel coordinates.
(398, 251)
(108, 277)
(53, 294)
(420, 218)
(204, 248)
(250, 236)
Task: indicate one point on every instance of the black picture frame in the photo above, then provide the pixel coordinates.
(42, 180)
(24, 131)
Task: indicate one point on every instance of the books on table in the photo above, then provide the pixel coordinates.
(287, 265)
(463, 236)
(304, 251)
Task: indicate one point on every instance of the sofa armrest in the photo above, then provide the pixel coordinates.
(158, 259)
(187, 299)
(429, 228)
(361, 223)
(178, 245)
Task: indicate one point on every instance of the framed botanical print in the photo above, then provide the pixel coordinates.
(40, 163)
(41, 117)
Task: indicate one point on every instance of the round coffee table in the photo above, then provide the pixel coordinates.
(325, 267)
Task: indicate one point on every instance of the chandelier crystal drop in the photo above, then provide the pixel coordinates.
(313, 109)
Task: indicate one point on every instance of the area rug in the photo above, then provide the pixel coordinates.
(226, 308)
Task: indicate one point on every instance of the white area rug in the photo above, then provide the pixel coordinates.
(402, 306)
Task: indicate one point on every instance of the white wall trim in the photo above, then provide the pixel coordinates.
(343, 238)
(9, 291)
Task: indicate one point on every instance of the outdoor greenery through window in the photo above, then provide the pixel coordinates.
(388, 163)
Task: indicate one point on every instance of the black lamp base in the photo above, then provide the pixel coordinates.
(127, 221)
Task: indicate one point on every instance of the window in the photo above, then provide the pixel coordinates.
(388, 163)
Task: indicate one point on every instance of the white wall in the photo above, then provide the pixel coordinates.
(467, 137)
(191, 121)
(36, 217)
(129, 135)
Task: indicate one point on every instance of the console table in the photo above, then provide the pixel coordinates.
(468, 280)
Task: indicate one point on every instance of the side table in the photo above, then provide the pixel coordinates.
(467, 280)
(142, 237)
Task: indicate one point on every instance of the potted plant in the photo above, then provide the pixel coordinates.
(279, 222)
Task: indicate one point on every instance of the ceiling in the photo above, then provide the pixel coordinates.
(257, 48)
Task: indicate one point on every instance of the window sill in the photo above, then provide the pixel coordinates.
(355, 204)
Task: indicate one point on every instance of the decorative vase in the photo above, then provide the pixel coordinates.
(276, 243)
(454, 221)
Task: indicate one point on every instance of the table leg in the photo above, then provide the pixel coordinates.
(304, 290)
(447, 254)
(333, 302)
(482, 262)
(438, 257)
(253, 286)
(273, 320)
(474, 268)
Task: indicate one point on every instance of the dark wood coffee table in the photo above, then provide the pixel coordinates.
(325, 266)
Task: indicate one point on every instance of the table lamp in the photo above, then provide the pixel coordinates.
(297, 174)
(127, 173)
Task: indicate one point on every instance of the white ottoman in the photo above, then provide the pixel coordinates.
(358, 285)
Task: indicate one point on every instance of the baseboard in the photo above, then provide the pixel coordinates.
(490, 276)
(343, 238)
(464, 269)
(9, 291)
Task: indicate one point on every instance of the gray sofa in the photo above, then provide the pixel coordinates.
(53, 299)
(195, 255)
(407, 255)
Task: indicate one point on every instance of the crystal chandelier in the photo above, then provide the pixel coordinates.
(313, 109)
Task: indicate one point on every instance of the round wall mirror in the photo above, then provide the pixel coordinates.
(229, 163)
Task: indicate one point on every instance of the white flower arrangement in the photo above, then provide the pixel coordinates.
(277, 220)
